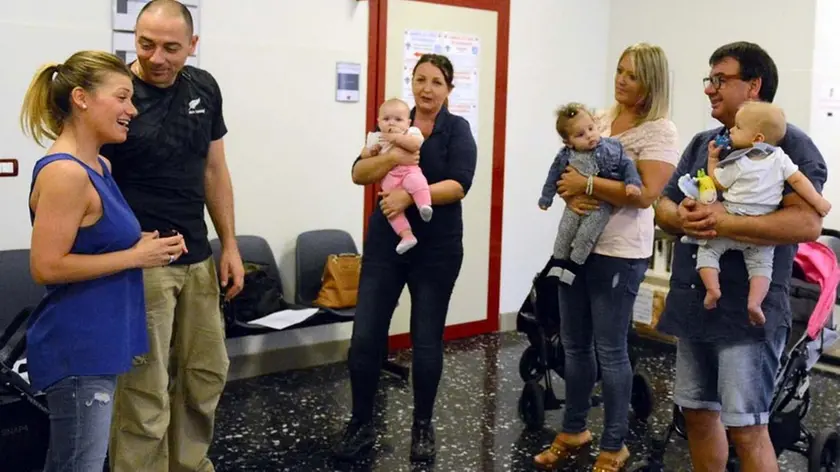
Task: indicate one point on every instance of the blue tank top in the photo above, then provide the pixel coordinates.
(94, 327)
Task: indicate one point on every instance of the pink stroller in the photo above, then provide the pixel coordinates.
(815, 264)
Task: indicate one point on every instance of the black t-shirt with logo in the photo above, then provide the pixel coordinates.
(160, 167)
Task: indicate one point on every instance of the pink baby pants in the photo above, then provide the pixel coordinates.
(412, 180)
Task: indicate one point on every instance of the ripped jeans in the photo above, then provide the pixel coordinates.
(80, 420)
(595, 314)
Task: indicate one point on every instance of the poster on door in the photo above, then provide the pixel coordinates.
(463, 51)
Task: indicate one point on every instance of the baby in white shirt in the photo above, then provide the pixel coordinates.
(395, 130)
(752, 178)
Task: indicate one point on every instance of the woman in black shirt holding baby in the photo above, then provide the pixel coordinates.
(447, 159)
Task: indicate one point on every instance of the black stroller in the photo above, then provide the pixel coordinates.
(792, 396)
(539, 319)
(24, 418)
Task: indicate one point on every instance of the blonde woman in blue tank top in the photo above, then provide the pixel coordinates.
(88, 250)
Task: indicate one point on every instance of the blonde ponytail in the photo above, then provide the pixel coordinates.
(47, 103)
(39, 115)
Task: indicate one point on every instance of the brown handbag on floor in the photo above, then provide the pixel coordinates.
(340, 282)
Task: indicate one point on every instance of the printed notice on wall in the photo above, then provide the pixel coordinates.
(463, 51)
(124, 17)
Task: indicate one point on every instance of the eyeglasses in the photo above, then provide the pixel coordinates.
(717, 80)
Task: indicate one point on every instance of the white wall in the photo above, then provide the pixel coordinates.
(825, 95)
(690, 31)
(557, 52)
(42, 31)
(290, 145)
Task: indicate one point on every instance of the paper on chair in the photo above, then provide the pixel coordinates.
(285, 318)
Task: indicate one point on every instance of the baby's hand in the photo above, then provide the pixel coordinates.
(632, 190)
(388, 137)
(714, 151)
(823, 207)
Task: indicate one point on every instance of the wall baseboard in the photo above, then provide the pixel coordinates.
(507, 322)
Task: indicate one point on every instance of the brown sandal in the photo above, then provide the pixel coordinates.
(613, 462)
(559, 452)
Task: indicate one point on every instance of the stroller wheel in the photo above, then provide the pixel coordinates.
(641, 398)
(824, 451)
(530, 364)
(532, 405)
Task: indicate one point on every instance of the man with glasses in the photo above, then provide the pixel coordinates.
(726, 367)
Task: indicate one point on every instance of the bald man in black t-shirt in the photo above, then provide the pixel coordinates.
(171, 166)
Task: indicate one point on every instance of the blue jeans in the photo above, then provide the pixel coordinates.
(430, 278)
(80, 421)
(736, 379)
(598, 307)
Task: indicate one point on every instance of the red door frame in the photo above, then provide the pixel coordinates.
(377, 41)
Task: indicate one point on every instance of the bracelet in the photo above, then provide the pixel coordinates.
(590, 183)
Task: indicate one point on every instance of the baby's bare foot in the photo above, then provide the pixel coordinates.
(712, 297)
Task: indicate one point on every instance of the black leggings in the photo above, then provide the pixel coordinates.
(430, 280)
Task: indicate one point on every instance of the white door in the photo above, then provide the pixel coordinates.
(468, 37)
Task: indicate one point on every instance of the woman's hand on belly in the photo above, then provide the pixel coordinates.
(394, 202)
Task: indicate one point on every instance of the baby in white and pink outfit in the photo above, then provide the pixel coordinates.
(396, 130)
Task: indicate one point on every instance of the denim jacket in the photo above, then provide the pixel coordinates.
(612, 163)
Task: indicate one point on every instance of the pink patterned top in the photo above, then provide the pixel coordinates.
(629, 233)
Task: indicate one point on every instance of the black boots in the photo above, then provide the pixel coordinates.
(358, 440)
(422, 441)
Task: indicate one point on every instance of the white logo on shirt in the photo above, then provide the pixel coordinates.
(193, 104)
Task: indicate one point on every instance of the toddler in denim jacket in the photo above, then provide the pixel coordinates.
(592, 156)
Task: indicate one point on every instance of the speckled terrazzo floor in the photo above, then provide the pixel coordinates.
(287, 421)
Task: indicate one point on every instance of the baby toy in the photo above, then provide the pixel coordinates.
(724, 142)
(701, 188)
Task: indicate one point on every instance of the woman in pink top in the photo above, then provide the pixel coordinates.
(598, 305)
